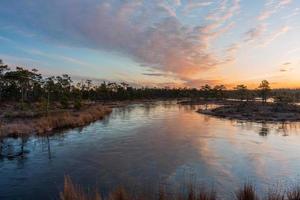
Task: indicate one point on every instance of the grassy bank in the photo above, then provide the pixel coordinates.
(19, 120)
(246, 192)
(18, 123)
(256, 111)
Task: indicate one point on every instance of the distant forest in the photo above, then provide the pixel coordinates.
(26, 86)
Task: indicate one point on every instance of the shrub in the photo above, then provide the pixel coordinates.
(78, 104)
(64, 101)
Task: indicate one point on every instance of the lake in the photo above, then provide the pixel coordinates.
(142, 146)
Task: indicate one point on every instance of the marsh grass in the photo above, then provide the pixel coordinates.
(294, 193)
(275, 196)
(57, 120)
(246, 192)
(75, 192)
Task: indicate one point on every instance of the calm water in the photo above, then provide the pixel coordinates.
(144, 145)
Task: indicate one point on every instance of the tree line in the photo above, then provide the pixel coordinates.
(27, 86)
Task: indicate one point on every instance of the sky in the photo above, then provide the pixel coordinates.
(175, 43)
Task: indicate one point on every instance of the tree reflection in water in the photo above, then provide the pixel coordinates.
(13, 148)
(264, 130)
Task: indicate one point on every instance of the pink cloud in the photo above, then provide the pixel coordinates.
(272, 7)
(149, 32)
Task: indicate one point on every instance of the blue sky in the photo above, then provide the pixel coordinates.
(174, 42)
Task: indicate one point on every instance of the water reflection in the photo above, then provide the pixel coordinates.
(264, 130)
(143, 145)
(13, 148)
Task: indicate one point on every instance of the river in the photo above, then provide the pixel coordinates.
(145, 145)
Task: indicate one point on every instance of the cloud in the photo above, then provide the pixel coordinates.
(191, 5)
(56, 56)
(255, 33)
(154, 74)
(231, 52)
(272, 7)
(5, 39)
(293, 51)
(169, 11)
(275, 35)
(147, 31)
(259, 34)
(224, 11)
(284, 2)
(233, 48)
(177, 2)
(285, 67)
(200, 82)
(292, 14)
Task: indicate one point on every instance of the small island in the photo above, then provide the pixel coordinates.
(256, 111)
(260, 105)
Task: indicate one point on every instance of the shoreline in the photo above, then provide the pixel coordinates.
(26, 123)
(255, 112)
(55, 120)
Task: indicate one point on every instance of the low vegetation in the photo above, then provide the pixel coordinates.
(33, 122)
(281, 107)
(246, 192)
(256, 111)
(30, 102)
(28, 86)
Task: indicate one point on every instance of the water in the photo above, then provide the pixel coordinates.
(144, 145)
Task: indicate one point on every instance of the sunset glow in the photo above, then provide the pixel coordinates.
(184, 43)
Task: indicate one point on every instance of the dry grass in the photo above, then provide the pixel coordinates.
(201, 194)
(247, 192)
(74, 192)
(58, 120)
(119, 194)
(294, 194)
(275, 196)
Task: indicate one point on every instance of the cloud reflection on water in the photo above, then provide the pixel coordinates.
(149, 144)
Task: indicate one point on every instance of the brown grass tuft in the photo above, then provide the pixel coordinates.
(294, 194)
(119, 194)
(247, 192)
(75, 192)
(162, 194)
(275, 195)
